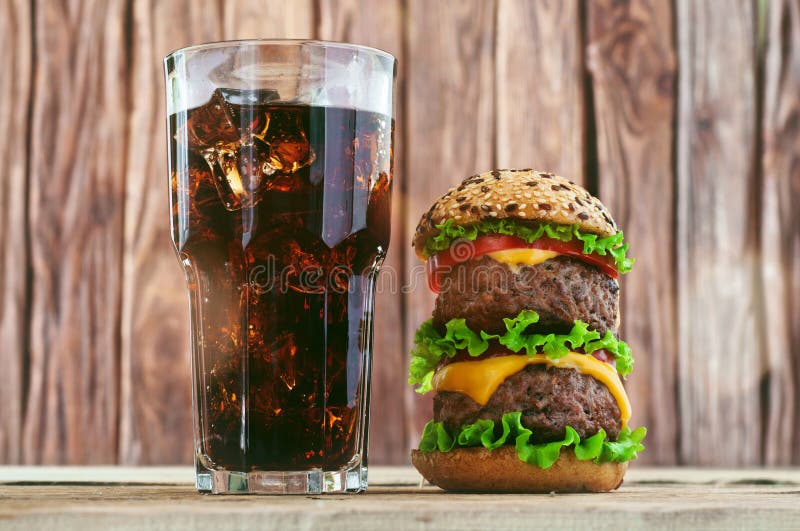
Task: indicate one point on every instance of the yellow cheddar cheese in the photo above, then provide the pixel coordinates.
(518, 257)
(480, 379)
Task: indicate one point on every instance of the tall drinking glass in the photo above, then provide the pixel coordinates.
(280, 156)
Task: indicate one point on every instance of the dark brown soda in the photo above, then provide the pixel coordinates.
(280, 215)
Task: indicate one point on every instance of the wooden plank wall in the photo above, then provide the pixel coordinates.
(686, 123)
(630, 56)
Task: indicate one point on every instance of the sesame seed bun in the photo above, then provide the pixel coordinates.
(500, 470)
(525, 195)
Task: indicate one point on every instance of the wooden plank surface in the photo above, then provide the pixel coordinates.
(655, 498)
(268, 19)
(77, 164)
(539, 87)
(156, 414)
(15, 80)
(780, 231)
(631, 59)
(719, 368)
(379, 23)
(449, 131)
(379, 476)
(93, 317)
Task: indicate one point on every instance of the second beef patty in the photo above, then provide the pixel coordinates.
(549, 398)
(561, 290)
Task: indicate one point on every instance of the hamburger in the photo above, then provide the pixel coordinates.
(522, 350)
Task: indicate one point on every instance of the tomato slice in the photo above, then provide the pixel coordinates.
(440, 263)
(605, 356)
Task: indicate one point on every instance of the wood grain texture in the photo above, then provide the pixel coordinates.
(379, 23)
(631, 59)
(780, 231)
(663, 498)
(75, 217)
(155, 413)
(539, 87)
(15, 82)
(449, 131)
(720, 359)
(268, 19)
(704, 179)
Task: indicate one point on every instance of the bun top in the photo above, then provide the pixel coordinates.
(525, 195)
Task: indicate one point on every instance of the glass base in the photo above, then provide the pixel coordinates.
(344, 480)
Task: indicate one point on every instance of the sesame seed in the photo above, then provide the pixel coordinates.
(526, 195)
(461, 198)
(571, 207)
(511, 207)
(544, 206)
(484, 189)
(523, 205)
(493, 214)
(464, 207)
(531, 183)
(583, 215)
(555, 187)
(457, 217)
(486, 208)
(522, 214)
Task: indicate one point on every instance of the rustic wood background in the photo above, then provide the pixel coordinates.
(684, 116)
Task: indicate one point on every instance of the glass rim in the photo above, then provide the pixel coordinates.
(280, 42)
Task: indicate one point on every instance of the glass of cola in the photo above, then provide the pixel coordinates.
(280, 157)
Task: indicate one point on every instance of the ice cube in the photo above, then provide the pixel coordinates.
(239, 173)
(246, 109)
(248, 96)
(289, 149)
(211, 125)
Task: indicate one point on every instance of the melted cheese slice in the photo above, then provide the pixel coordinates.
(517, 257)
(480, 379)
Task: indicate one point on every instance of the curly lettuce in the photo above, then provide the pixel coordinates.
(612, 246)
(430, 346)
(597, 448)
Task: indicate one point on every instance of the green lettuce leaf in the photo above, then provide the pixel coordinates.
(625, 448)
(430, 346)
(449, 232)
(483, 433)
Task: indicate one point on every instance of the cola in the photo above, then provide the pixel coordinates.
(280, 217)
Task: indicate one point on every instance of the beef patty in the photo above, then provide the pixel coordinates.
(549, 399)
(561, 290)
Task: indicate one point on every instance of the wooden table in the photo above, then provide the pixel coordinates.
(164, 498)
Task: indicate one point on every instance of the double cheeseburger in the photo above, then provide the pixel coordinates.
(522, 350)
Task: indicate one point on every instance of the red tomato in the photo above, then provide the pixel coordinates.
(605, 356)
(441, 262)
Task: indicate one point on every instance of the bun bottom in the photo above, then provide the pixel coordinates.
(481, 470)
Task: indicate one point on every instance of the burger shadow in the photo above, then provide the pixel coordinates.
(432, 490)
